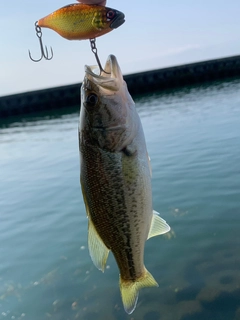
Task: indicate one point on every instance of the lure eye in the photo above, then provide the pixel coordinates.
(92, 99)
(110, 14)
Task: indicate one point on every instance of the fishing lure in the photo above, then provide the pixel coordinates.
(79, 22)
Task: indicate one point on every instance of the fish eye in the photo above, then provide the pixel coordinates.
(92, 99)
(110, 14)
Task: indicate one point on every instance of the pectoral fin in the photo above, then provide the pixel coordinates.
(149, 165)
(158, 226)
(97, 249)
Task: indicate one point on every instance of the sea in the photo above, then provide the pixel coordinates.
(193, 139)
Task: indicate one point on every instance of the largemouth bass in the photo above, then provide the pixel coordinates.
(116, 180)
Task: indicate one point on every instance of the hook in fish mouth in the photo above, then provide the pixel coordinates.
(111, 79)
(118, 20)
(112, 70)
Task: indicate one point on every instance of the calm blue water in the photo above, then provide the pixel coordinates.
(193, 138)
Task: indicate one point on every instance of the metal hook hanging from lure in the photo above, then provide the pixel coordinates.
(43, 54)
(94, 51)
(83, 22)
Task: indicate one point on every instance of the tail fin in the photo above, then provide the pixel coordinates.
(130, 289)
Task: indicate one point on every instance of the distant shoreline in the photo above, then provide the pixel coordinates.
(138, 83)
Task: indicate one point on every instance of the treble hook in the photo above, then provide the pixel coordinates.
(39, 35)
(94, 50)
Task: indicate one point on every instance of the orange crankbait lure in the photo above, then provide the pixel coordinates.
(82, 21)
(79, 22)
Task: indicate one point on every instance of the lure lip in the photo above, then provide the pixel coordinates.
(118, 20)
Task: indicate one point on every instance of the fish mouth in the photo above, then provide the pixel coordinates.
(118, 20)
(111, 79)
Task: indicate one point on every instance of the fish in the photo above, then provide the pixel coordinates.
(82, 21)
(115, 177)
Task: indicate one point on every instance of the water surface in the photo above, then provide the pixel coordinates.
(193, 138)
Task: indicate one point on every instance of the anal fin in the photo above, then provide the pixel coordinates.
(158, 226)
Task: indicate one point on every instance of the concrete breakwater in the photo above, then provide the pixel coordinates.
(138, 83)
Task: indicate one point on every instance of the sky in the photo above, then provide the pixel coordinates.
(160, 34)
